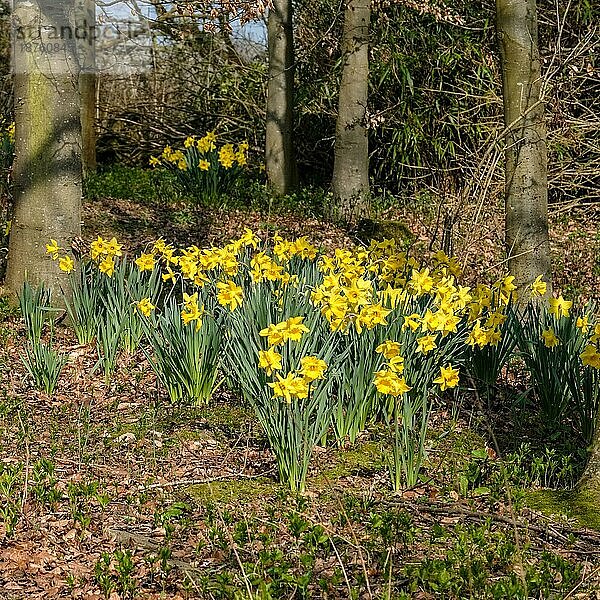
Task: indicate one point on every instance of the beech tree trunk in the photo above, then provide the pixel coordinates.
(590, 480)
(280, 160)
(350, 183)
(47, 166)
(526, 182)
(87, 86)
(87, 89)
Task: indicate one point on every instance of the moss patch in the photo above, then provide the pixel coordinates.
(583, 507)
(362, 459)
(368, 229)
(228, 416)
(459, 441)
(234, 491)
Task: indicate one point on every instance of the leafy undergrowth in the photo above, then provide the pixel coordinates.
(112, 493)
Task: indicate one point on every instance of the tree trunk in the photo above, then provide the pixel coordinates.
(350, 182)
(280, 160)
(87, 89)
(526, 184)
(87, 86)
(47, 167)
(590, 480)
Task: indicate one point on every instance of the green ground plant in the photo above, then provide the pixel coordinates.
(131, 183)
(44, 364)
(185, 357)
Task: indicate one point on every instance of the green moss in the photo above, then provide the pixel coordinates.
(583, 507)
(192, 435)
(234, 491)
(226, 415)
(460, 441)
(361, 458)
(368, 229)
(40, 132)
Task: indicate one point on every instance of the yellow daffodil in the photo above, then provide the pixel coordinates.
(448, 378)
(550, 339)
(396, 364)
(590, 356)
(97, 248)
(289, 387)
(274, 334)
(113, 247)
(412, 322)
(496, 318)
(145, 307)
(538, 287)
(477, 336)
(507, 289)
(190, 300)
(389, 349)
(493, 336)
(192, 313)
(145, 262)
(107, 266)
(249, 238)
(66, 264)
(389, 383)
(301, 247)
(430, 321)
(269, 360)
(448, 322)
(230, 294)
(425, 344)
(53, 249)
(370, 316)
(559, 307)
(421, 282)
(582, 324)
(169, 275)
(240, 157)
(293, 329)
(463, 297)
(312, 368)
(227, 156)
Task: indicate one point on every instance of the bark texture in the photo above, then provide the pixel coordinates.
(590, 480)
(87, 89)
(280, 160)
(350, 183)
(526, 185)
(47, 166)
(86, 17)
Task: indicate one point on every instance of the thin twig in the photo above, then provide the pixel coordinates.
(184, 482)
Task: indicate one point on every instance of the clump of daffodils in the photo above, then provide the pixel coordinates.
(365, 289)
(304, 328)
(296, 385)
(202, 167)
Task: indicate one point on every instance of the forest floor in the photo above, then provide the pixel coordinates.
(108, 492)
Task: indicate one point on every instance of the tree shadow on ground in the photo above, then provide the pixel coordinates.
(136, 224)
